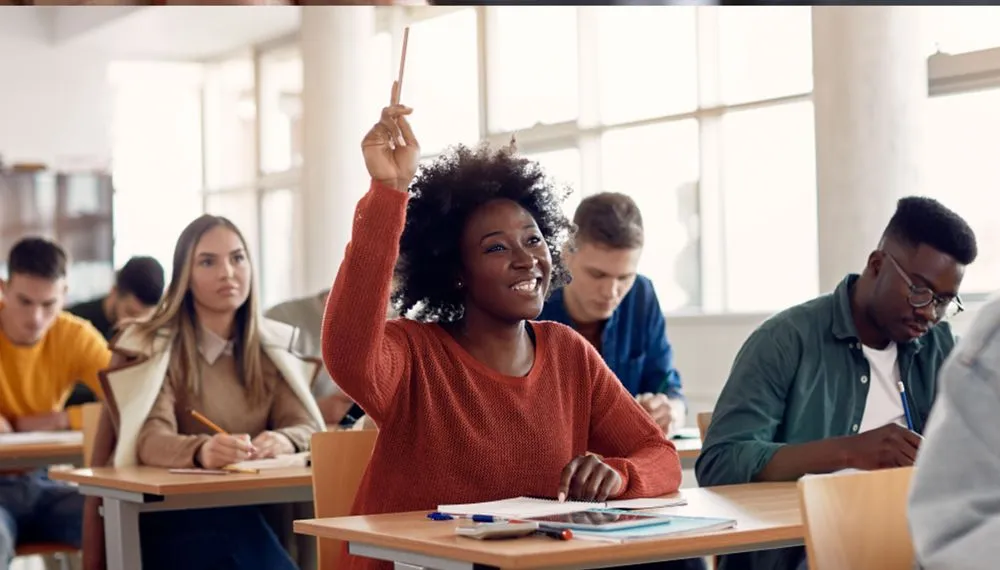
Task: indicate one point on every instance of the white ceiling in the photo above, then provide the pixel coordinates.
(171, 33)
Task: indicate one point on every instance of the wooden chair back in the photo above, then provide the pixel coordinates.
(339, 460)
(857, 520)
(704, 419)
(91, 419)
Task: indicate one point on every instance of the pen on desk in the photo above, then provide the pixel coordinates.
(906, 405)
(556, 533)
(473, 518)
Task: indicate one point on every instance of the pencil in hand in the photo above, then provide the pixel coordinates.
(207, 422)
(218, 430)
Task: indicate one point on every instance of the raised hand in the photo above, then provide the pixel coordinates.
(390, 149)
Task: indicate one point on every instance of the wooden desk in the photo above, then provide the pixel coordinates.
(767, 515)
(33, 455)
(132, 490)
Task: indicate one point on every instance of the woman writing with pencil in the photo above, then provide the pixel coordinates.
(204, 366)
(476, 402)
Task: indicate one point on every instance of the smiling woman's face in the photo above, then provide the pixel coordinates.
(220, 276)
(506, 261)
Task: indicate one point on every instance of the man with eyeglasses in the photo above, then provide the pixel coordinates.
(821, 387)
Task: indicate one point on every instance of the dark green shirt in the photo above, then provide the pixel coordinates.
(802, 377)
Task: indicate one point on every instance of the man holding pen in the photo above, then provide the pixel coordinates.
(846, 380)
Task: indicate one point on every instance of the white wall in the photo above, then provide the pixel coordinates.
(55, 102)
(705, 346)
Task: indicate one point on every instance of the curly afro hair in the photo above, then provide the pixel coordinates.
(442, 197)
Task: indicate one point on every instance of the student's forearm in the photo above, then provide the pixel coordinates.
(334, 408)
(55, 421)
(793, 461)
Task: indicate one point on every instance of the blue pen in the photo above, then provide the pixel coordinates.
(906, 405)
(473, 518)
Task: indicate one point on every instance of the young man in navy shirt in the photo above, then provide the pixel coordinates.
(616, 309)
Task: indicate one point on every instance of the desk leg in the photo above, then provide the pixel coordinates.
(121, 534)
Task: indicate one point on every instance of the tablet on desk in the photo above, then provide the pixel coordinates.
(600, 520)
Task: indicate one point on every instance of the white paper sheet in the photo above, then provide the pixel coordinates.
(41, 437)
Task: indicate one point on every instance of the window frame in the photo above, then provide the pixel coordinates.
(947, 75)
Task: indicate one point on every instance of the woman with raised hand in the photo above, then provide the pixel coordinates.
(473, 400)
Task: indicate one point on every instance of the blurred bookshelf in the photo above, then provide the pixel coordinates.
(74, 209)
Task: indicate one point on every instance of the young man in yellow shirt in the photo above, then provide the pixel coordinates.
(43, 353)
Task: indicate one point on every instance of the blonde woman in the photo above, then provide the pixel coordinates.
(205, 348)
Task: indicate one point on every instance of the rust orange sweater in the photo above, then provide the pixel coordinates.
(453, 430)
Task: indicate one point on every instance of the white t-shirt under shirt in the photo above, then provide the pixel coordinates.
(883, 406)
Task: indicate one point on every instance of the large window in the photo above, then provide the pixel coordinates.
(764, 52)
(667, 199)
(952, 29)
(157, 164)
(766, 210)
(962, 171)
(441, 81)
(668, 105)
(532, 66)
(664, 104)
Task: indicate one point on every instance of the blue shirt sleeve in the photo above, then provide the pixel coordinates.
(658, 373)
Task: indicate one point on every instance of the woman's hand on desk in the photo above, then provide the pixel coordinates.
(224, 449)
(271, 444)
(587, 478)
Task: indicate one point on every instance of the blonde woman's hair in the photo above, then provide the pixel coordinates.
(176, 313)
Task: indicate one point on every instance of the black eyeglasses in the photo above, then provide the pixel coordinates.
(920, 297)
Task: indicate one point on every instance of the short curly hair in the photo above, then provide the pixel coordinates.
(920, 220)
(442, 197)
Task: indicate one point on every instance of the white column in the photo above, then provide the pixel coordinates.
(870, 88)
(337, 99)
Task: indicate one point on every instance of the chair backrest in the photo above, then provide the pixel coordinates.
(857, 520)
(339, 460)
(91, 419)
(704, 419)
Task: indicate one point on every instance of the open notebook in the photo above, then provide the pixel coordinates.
(279, 462)
(526, 507)
(41, 437)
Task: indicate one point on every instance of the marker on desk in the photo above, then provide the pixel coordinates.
(556, 533)
(906, 405)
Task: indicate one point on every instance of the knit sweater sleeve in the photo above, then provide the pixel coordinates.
(367, 355)
(627, 438)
